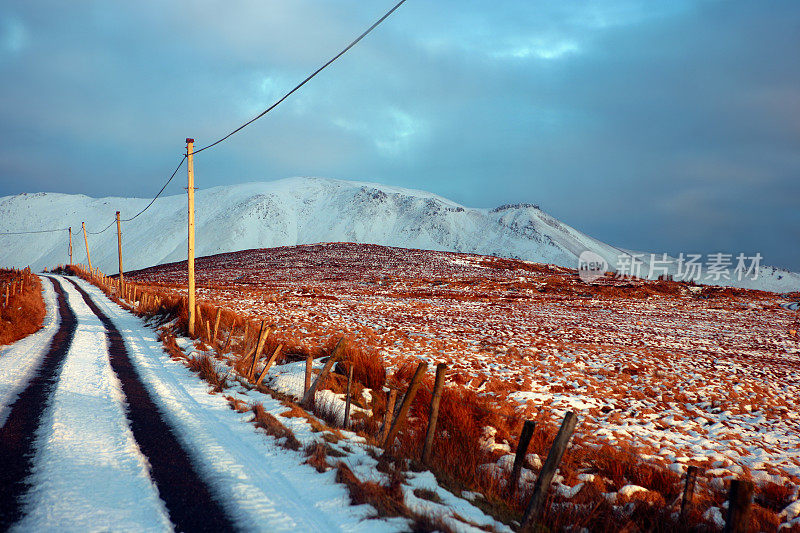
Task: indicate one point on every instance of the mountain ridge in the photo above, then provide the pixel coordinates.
(299, 210)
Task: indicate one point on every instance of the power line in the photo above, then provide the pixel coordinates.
(113, 221)
(29, 232)
(146, 207)
(102, 230)
(320, 69)
(157, 195)
(270, 108)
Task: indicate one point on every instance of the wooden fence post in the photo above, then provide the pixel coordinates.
(688, 489)
(388, 416)
(262, 338)
(308, 397)
(739, 500)
(436, 398)
(269, 364)
(216, 326)
(522, 450)
(408, 399)
(347, 397)
(244, 335)
(545, 477)
(307, 383)
(198, 317)
(228, 339)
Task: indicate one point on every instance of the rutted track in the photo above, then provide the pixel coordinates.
(108, 432)
(188, 499)
(18, 434)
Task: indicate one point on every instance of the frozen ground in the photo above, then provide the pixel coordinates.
(89, 474)
(687, 375)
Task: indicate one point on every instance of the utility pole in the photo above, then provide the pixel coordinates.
(190, 261)
(86, 242)
(119, 250)
(70, 246)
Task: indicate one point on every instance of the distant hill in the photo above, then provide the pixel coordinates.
(300, 211)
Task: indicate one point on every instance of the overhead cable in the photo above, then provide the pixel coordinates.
(270, 108)
(159, 192)
(38, 231)
(320, 69)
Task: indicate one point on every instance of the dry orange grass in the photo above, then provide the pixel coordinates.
(317, 453)
(25, 311)
(204, 366)
(458, 454)
(387, 500)
(272, 426)
(369, 368)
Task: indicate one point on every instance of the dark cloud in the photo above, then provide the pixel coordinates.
(661, 127)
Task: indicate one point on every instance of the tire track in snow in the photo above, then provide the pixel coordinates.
(18, 434)
(188, 499)
(84, 437)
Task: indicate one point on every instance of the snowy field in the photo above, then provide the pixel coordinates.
(684, 375)
(90, 474)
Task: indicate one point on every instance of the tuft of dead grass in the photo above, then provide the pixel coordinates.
(317, 453)
(272, 426)
(204, 366)
(170, 346)
(425, 494)
(387, 500)
(369, 368)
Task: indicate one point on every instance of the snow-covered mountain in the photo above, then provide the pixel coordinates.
(299, 211)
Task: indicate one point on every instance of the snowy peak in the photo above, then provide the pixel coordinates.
(294, 211)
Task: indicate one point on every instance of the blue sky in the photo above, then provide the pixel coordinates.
(658, 126)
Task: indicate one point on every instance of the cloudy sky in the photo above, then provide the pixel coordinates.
(667, 126)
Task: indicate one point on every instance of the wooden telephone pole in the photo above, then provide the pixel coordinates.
(86, 242)
(119, 249)
(190, 261)
(70, 246)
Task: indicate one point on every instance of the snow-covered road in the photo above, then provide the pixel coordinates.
(97, 459)
(84, 444)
